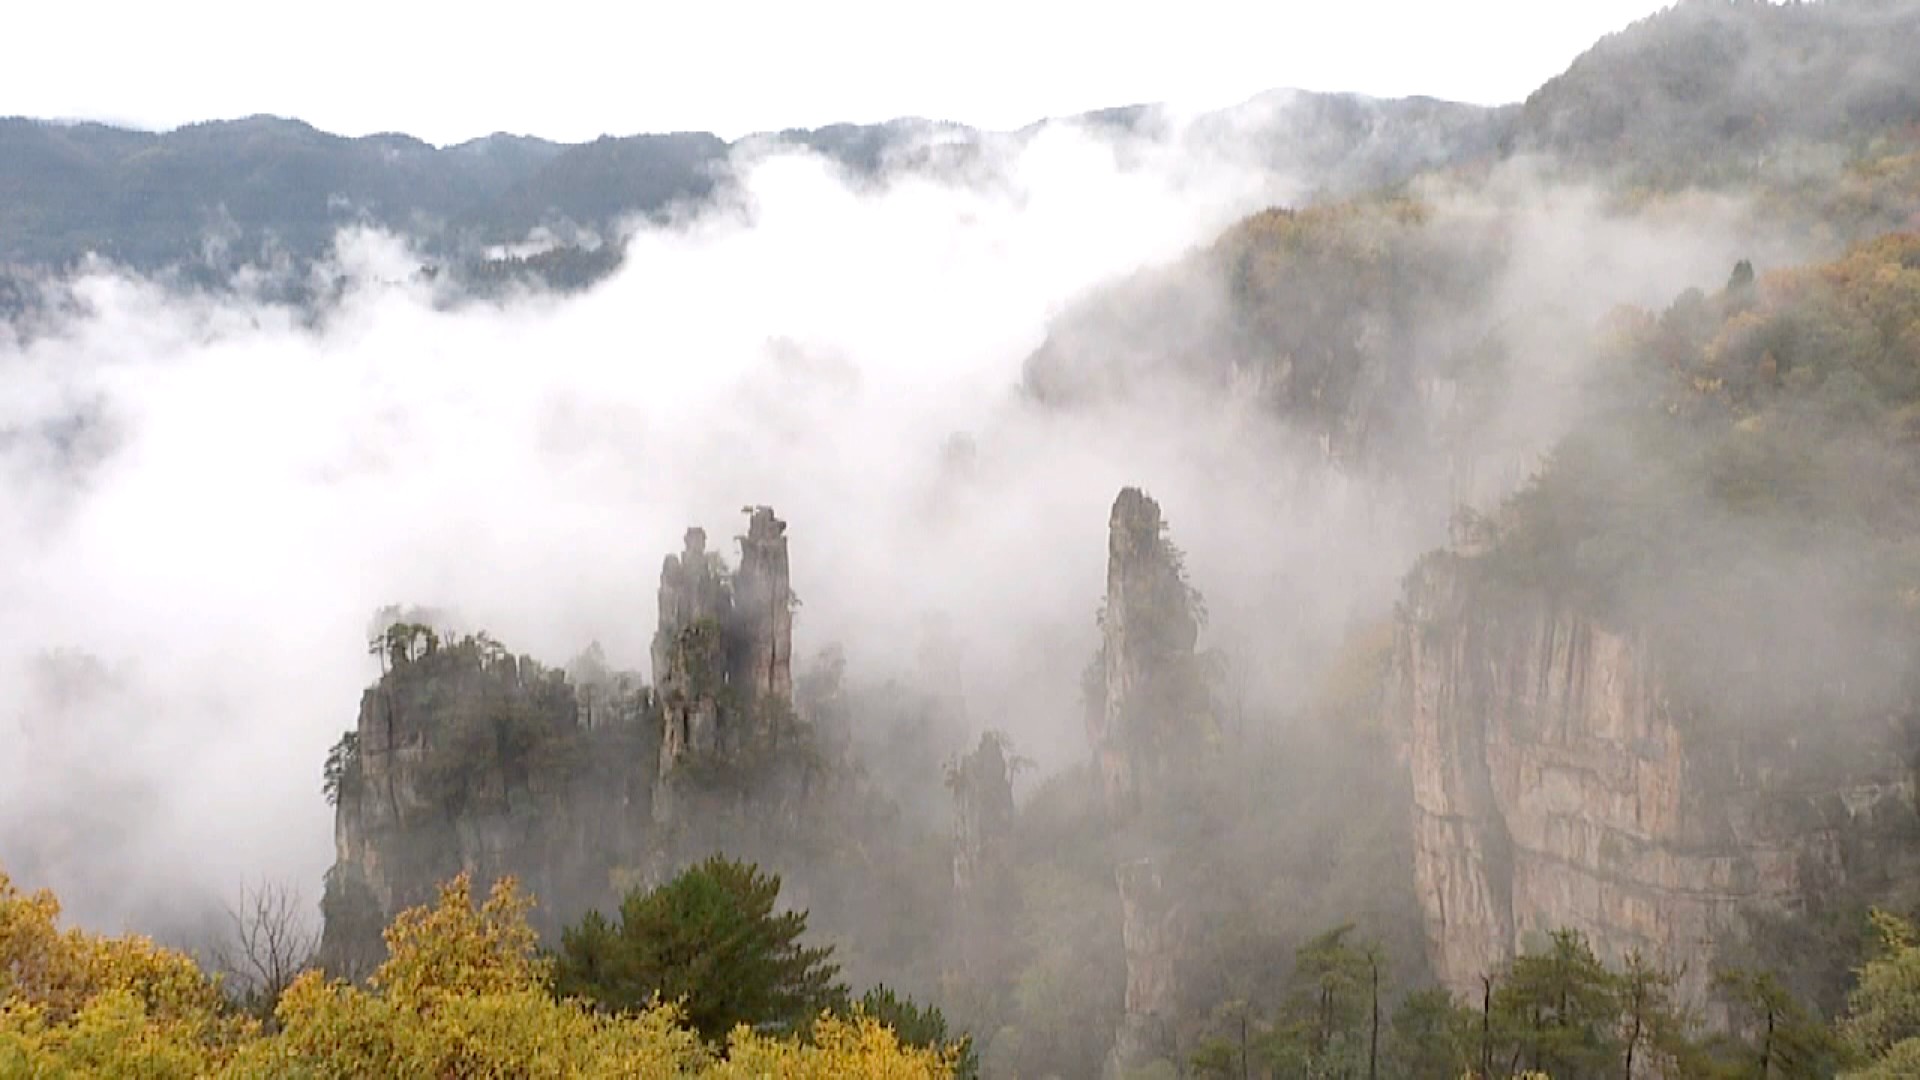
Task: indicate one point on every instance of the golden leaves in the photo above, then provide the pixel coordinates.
(463, 993)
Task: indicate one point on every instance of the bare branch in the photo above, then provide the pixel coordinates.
(269, 941)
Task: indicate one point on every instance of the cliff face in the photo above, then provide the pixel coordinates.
(982, 785)
(1147, 720)
(1557, 784)
(1151, 928)
(689, 655)
(467, 758)
(984, 890)
(763, 605)
(1144, 695)
(723, 656)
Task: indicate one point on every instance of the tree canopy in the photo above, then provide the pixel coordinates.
(463, 993)
(709, 940)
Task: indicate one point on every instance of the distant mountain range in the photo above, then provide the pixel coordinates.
(1702, 92)
(239, 190)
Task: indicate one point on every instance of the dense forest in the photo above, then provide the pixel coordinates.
(1448, 605)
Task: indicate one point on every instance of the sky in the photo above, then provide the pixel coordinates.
(572, 70)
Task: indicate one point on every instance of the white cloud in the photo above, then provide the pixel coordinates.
(243, 489)
(264, 484)
(436, 70)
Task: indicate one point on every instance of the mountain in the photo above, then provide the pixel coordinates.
(1709, 91)
(597, 183)
(1658, 692)
(1716, 90)
(224, 191)
(212, 195)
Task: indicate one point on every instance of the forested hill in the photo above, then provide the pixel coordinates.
(240, 189)
(1708, 91)
(216, 194)
(1720, 90)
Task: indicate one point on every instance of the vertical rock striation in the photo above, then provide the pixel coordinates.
(465, 757)
(689, 653)
(1145, 700)
(723, 659)
(1150, 928)
(1147, 720)
(1557, 784)
(983, 885)
(763, 608)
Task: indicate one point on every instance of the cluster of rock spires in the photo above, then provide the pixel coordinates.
(599, 772)
(723, 655)
(467, 758)
(1555, 781)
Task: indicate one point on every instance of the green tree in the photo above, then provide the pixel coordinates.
(710, 940)
(461, 994)
(1771, 1035)
(342, 773)
(924, 1027)
(1432, 1039)
(1882, 1026)
(1652, 1024)
(1226, 1051)
(1559, 1011)
(1324, 1028)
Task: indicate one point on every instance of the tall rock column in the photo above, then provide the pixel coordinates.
(1150, 927)
(722, 658)
(689, 653)
(1145, 697)
(1147, 714)
(763, 607)
(984, 894)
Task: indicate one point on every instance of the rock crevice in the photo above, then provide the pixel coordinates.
(1557, 784)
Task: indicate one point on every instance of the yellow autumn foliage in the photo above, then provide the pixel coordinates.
(463, 993)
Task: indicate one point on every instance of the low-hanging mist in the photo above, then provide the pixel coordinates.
(213, 493)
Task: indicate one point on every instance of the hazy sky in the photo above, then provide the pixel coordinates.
(571, 70)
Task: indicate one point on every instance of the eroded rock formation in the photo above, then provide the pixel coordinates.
(983, 885)
(1557, 784)
(465, 757)
(1151, 927)
(763, 607)
(723, 658)
(1147, 720)
(689, 650)
(1145, 700)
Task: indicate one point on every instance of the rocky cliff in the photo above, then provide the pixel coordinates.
(1558, 782)
(1145, 699)
(689, 657)
(465, 757)
(985, 893)
(1148, 723)
(1152, 927)
(723, 656)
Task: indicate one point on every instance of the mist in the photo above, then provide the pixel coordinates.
(212, 491)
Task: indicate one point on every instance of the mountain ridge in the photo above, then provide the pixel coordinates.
(148, 199)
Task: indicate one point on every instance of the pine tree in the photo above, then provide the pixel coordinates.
(711, 940)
